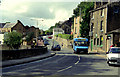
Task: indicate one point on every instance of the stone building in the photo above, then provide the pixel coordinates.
(9, 27)
(57, 31)
(66, 26)
(76, 31)
(104, 20)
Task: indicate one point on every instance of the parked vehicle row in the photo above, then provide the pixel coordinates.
(56, 48)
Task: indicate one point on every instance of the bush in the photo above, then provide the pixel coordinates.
(65, 36)
(13, 40)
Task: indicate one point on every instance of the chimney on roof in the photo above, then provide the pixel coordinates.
(18, 20)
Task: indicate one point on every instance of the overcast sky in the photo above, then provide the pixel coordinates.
(25, 10)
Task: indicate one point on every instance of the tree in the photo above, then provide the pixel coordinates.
(30, 36)
(83, 8)
(13, 40)
(84, 28)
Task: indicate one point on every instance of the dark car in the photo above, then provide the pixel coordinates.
(57, 47)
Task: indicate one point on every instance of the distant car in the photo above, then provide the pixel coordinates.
(44, 39)
(46, 43)
(50, 37)
(57, 47)
(113, 56)
(40, 38)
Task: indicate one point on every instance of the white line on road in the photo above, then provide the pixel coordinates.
(70, 66)
(78, 60)
(65, 69)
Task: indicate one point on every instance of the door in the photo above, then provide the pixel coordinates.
(91, 45)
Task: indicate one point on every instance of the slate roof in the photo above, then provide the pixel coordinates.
(2, 25)
(9, 25)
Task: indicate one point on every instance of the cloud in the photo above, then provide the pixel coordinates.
(51, 12)
(22, 9)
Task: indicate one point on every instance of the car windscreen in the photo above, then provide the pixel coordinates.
(81, 43)
(115, 50)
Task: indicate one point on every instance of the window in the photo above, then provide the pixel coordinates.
(92, 25)
(92, 15)
(101, 25)
(97, 41)
(75, 30)
(116, 9)
(76, 21)
(101, 40)
(94, 41)
(102, 12)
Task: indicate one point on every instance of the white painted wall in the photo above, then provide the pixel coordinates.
(57, 31)
(1, 38)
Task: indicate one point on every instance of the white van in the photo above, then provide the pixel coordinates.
(113, 56)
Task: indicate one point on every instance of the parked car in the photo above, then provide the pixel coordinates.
(46, 43)
(50, 37)
(57, 47)
(113, 56)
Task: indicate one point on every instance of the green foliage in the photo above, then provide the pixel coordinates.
(47, 32)
(84, 8)
(30, 36)
(84, 29)
(13, 40)
(65, 36)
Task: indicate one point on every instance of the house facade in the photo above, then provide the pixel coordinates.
(9, 27)
(57, 31)
(1, 38)
(76, 30)
(104, 19)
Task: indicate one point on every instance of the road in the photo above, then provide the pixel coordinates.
(64, 63)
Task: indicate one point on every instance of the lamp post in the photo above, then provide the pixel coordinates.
(37, 20)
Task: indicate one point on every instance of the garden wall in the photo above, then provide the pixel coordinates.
(22, 53)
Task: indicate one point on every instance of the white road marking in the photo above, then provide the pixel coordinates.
(77, 62)
(65, 69)
(67, 54)
(69, 66)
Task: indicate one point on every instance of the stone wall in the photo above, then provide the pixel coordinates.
(66, 43)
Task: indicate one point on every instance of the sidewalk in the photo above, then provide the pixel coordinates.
(98, 53)
(26, 60)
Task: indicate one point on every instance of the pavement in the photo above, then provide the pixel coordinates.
(100, 54)
(26, 60)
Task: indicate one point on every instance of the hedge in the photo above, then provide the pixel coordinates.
(65, 36)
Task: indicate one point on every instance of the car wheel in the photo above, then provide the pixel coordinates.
(59, 49)
(109, 63)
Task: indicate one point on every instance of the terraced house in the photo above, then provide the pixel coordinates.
(77, 25)
(104, 25)
(9, 27)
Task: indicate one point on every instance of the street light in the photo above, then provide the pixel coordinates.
(37, 24)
